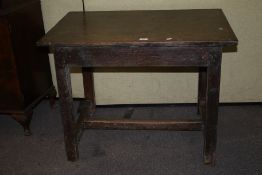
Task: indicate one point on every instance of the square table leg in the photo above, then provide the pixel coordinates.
(212, 103)
(202, 87)
(89, 90)
(66, 104)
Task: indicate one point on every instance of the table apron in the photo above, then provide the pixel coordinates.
(134, 56)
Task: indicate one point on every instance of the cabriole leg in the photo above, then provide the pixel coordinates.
(24, 119)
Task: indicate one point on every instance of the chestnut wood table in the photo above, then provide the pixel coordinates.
(140, 39)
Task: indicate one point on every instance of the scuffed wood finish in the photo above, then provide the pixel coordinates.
(207, 27)
(140, 39)
(85, 110)
(66, 103)
(89, 88)
(178, 125)
(212, 102)
(135, 56)
(202, 83)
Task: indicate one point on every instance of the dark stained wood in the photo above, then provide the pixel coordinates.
(85, 110)
(179, 125)
(6, 4)
(135, 56)
(25, 76)
(10, 6)
(66, 103)
(202, 84)
(32, 63)
(212, 102)
(52, 96)
(10, 92)
(24, 119)
(176, 38)
(207, 27)
(89, 88)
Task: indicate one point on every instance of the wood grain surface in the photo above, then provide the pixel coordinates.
(157, 27)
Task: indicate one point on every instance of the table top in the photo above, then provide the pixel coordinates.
(199, 27)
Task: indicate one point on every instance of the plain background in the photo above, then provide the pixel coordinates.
(241, 71)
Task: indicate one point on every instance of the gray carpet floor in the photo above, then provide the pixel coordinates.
(111, 152)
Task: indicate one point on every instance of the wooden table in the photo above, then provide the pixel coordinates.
(144, 39)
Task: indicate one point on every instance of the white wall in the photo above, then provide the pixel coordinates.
(241, 71)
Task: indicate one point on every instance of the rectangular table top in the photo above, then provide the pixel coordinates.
(199, 27)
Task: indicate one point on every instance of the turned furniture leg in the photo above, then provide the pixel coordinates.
(89, 90)
(211, 116)
(24, 119)
(52, 96)
(202, 86)
(66, 103)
